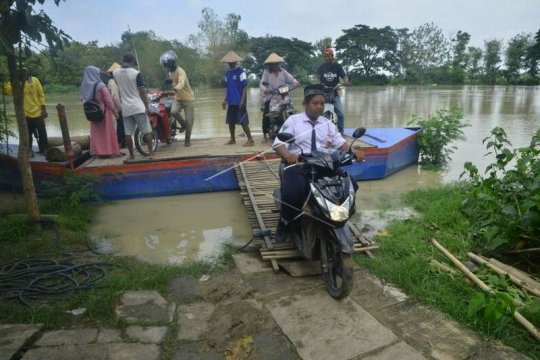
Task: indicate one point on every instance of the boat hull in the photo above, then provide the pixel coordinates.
(390, 150)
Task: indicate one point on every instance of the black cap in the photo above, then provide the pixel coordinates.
(310, 90)
(129, 58)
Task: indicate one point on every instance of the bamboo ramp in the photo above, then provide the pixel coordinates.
(258, 180)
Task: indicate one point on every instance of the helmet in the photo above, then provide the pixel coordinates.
(329, 51)
(168, 59)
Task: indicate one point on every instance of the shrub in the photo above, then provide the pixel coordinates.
(438, 132)
(504, 206)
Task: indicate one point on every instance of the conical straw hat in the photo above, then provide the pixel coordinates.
(231, 57)
(273, 58)
(113, 67)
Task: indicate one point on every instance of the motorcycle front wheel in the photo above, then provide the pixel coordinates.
(141, 146)
(337, 269)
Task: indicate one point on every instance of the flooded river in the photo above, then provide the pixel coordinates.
(169, 230)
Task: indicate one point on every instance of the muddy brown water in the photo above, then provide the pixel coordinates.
(169, 230)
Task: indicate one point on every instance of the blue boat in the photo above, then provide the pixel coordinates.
(208, 165)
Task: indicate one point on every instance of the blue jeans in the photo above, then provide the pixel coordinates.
(338, 108)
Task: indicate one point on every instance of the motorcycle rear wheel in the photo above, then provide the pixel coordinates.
(141, 145)
(337, 269)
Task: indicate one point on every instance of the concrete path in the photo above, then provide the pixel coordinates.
(252, 313)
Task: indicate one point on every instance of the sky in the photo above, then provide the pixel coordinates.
(307, 20)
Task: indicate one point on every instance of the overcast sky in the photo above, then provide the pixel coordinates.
(307, 20)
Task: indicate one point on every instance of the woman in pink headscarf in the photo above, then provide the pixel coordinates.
(103, 142)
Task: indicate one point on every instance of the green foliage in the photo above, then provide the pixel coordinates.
(403, 259)
(438, 132)
(491, 306)
(504, 206)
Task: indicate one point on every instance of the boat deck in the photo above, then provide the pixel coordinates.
(200, 148)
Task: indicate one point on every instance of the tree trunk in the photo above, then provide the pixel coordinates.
(24, 163)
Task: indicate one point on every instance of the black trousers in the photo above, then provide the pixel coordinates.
(37, 126)
(120, 132)
(266, 119)
(294, 192)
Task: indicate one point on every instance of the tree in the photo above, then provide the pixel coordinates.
(492, 60)
(298, 54)
(20, 29)
(533, 57)
(366, 50)
(426, 48)
(516, 53)
(460, 57)
(474, 69)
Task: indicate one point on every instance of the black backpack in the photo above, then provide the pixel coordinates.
(92, 108)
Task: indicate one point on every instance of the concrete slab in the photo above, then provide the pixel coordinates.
(14, 336)
(68, 337)
(193, 350)
(399, 351)
(96, 352)
(270, 284)
(250, 263)
(193, 320)
(270, 346)
(184, 290)
(372, 294)
(430, 331)
(323, 328)
(300, 268)
(148, 335)
(145, 306)
(107, 336)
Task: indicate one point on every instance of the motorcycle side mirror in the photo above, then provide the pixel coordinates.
(359, 132)
(286, 137)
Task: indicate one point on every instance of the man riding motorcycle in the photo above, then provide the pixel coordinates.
(311, 132)
(183, 94)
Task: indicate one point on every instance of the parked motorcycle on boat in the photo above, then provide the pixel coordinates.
(321, 230)
(164, 127)
(281, 107)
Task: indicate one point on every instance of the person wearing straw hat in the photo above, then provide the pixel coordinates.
(273, 77)
(113, 89)
(236, 98)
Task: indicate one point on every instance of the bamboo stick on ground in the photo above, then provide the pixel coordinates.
(442, 266)
(499, 271)
(519, 318)
(516, 272)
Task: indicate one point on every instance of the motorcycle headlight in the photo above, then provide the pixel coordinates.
(333, 211)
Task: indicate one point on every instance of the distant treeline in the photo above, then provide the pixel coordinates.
(370, 55)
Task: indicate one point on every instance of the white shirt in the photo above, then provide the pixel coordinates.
(299, 125)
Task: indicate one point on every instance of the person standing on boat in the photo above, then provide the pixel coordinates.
(113, 89)
(236, 98)
(329, 75)
(132, 91)
(311, 131)
(273, 77)
(35, 111)
(183, 94)
(103, 142)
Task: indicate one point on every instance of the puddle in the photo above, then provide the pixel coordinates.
(173, 229)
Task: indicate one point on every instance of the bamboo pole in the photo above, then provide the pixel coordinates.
(499, 271)
(533, 330)
(60, 108)
(516, 272)
(442, 266)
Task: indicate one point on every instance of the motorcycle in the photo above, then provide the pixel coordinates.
(330, 95)
(321, 231)
(281, 107)
(164, 127)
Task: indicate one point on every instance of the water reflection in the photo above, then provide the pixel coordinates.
(173, 229)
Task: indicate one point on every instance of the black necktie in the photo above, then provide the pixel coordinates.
(313, 138)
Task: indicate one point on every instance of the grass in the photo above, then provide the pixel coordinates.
(404, 260)
(20, 240)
